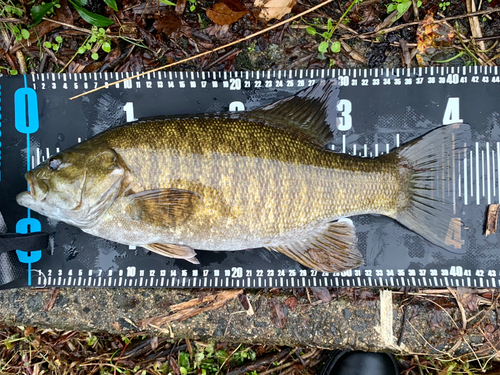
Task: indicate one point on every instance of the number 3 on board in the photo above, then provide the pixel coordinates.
(452, 112)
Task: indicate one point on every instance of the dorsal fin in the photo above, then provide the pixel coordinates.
(310, 114)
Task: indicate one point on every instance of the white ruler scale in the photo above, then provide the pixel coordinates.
(378, 110)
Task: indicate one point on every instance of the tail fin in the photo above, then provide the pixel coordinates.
(430, 166)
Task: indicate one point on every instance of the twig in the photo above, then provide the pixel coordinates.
(209, 52)
(68, 25)
(404, 26)
(50, 303)
(229, 356)
(403, 325)
(489, 342)
(462, 310)
(475, 27)
(418, 365)
(13, 20)
(486, 313)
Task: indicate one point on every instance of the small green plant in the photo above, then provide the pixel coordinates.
(251, 47)
(20, 33)
(55, 46)
(327, 43)
(401, 6)
(12, 10)
(443, 5)
(98, 36)
(91, 340)
(11, 72)
(192, 7)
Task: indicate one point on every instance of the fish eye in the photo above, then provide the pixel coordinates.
(54, 163)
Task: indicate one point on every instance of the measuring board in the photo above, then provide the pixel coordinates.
(377, 111)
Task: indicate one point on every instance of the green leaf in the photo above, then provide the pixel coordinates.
(59, 39)
(403, 7)
(168, 2)
(112, 4)
(39, 11)
(335, 47)
(419, 4)
(106, 47)
(183, 370)
(311, 30)
(95, 56)
(323, 47)
(92, 18)
(25, 34)
(47, 44)
(330, 24)
(391, 8)
(93, 39)
(192, 8)
(79, 3)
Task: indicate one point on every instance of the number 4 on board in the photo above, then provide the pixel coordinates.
(452, 112)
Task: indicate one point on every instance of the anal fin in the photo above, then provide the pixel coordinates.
(332, 249)
(173, 251)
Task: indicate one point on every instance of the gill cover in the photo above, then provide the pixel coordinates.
(103, 176)
(76, 186)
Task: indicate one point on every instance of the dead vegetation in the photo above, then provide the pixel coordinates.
(135, 35)
(472, 347)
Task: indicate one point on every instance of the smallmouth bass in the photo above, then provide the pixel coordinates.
(236, 181)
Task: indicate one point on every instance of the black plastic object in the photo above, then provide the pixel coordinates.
(360, 363)
(23, 242)
(377, 111)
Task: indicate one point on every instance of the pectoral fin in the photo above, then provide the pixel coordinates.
(173, 251)
(163, 207)
(332, 249)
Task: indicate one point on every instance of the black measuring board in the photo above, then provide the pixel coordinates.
(378, 110)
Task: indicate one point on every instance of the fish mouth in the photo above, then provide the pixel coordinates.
(37, 191)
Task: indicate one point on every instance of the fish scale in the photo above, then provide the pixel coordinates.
(308, 180)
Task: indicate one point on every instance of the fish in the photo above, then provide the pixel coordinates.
(263, 178)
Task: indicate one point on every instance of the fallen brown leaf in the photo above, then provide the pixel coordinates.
(321, 293)
(175, 367)
(221, 14)
(467, 297)
(180, 6)
(64, 13)
(266, 10)
(291, 303)
(431, 37)
(168, 24)
(246, 304)
(277, 313)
